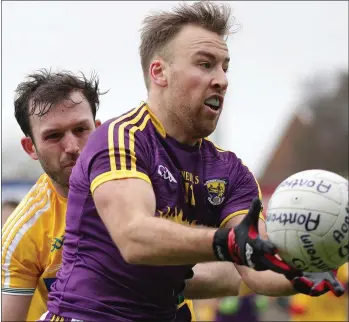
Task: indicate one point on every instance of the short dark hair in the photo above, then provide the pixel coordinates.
(45, 89)
(160, 28)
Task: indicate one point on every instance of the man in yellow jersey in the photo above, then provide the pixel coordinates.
(57, 113)
(33, 237)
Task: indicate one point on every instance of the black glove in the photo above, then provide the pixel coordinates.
(316, 284)
(243, 246)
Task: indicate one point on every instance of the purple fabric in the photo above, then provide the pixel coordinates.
(95, 283)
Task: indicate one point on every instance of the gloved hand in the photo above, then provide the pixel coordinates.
(243, 246)
(316, 284)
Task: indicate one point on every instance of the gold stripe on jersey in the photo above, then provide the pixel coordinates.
(237, 213)
(190, 305)
(23, 214)
(121, 138)
(245, 211)
(156, 122)
(19, 230)
(217, 147)
(36, 207)
(132, 141)
(114, 175)
(24, 205)
(111, 135)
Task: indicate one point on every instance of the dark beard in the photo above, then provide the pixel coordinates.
(54, 175)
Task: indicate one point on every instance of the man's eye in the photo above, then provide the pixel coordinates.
(79, 130)
(53, 136)
(206, 65)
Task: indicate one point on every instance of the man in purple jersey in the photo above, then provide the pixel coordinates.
(150, 197)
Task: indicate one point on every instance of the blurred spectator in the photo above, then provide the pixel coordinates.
(7, 208)
(323, 308)
(244, 308)
(232, 309)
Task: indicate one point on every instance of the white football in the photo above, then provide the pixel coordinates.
(307, 219)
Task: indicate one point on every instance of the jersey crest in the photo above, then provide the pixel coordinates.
(216, 189)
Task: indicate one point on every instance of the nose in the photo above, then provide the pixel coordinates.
(70, 144)
(220, 80)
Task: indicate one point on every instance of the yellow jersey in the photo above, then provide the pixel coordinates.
(32, 240)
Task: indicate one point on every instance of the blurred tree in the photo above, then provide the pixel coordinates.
(322, 142)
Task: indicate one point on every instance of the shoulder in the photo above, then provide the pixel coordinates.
(135, 119)
(120, 133)
(211, 150)
(27, 215)
(229, 163)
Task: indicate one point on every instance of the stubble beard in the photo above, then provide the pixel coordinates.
(57, 176)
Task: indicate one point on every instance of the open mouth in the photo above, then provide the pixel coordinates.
(213, 103)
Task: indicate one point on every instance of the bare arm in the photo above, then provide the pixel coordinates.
(211, 280)
(268, 282)
(15, 307)
(143, 238)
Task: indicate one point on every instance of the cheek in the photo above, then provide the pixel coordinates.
(195, 82)
(83, 139)
(188, 79)
(51, 157)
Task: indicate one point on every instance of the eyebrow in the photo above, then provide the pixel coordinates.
(211, 56)
(54, 129)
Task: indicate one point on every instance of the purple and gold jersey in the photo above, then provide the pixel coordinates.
(193, 185)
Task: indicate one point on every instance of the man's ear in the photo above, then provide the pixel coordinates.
(29, 147)
(157, 72)
(98, 123)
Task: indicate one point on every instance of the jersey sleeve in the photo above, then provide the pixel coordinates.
(119, 150)
(20, 250)
(244, 188)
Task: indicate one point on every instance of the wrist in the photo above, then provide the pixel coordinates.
(220, 244)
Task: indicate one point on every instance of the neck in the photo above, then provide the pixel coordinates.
(61, 190)
(170, 122)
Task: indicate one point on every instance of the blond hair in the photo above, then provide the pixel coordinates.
(160, 28)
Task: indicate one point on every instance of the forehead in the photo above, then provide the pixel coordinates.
(193, 39)
(63, 114)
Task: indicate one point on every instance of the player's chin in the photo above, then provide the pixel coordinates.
(66, 173)
(207, 128)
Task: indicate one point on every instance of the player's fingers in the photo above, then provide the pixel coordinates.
(265, 265)
(336, 287)
(319, 289)
(252, 217)
(303, 285)
(277, 265)
(264, 246)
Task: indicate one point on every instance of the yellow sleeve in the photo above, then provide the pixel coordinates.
(21, 247)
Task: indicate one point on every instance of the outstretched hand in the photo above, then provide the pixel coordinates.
(316, 284)
(243, 245)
